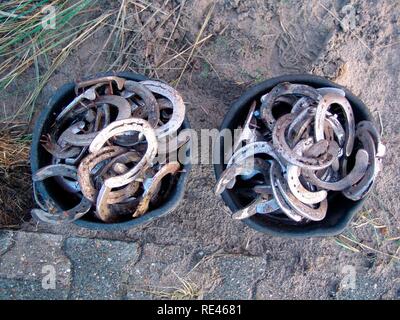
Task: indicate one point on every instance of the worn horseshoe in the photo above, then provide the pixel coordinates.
(257, 206)
(56, 150)
(151, 105)
(65, 216)
(68, 185)
(280, 200)
(295, 185)
(303, 103)
(85, 139)
(337, 128)
(169, 168)
(320, 116)
(252, 149)
(87, 165)
(178, 114)
(360, 189)
(299, 191)
(101, 81)
(283, 149)
(379, 146)
(89, 94)
(120, 127)
(248, 211)
(228, 177)
(299, 125)
(314, 214)
(124, 158)
(353, 177)
(247, 133)
(282, 89)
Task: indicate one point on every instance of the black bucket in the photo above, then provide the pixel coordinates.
(340, 209)
(48, 189)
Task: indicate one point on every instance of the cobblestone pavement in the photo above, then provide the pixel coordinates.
(87, 268)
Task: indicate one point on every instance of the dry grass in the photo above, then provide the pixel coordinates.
(186, 290)
(14, 149)
(14, 177)
(157, 44)
(26, 47)
(372, 230)
(143, 37)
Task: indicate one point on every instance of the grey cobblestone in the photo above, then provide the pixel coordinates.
(100, 267)
(22, 265)
(6, 241)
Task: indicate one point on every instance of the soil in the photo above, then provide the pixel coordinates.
(253, 41)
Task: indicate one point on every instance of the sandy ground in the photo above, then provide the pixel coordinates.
(252, 41)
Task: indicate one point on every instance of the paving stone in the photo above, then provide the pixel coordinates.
(17, 289)
(31, 260)
(6, 241)
(237, 276)
(157, 271)
(100, 267)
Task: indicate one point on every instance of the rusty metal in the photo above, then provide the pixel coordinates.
(320, 116)
(360, 189)
(54, 216)
(353, 177)
(151, 105)
(284, 150)
(310, 153)
(275, 172)
(283, 89)
(169, 168)
(87, 165)
(115, 152)
(179, 108)
(89, 94)
(56, 150)
(100, 81)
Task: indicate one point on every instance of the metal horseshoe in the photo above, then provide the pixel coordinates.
(282, 89)
(353, 177)
(247, 134)
(320, 116)
(280, 200)
(89, 94)
(311, 213)
(295, 185)
(251, 149)
(151, 105)
(178, 115)
(284, 150)
(169, 168)
(87, 165)
(120, 127)
(379, 146)
(360, 189)
(65, 216)
(85, 139)
(101, 81)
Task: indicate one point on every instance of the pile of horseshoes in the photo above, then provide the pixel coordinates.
(106, 147)
(291, 163)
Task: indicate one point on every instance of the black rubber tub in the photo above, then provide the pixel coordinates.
(48, 189)
(340, 209)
